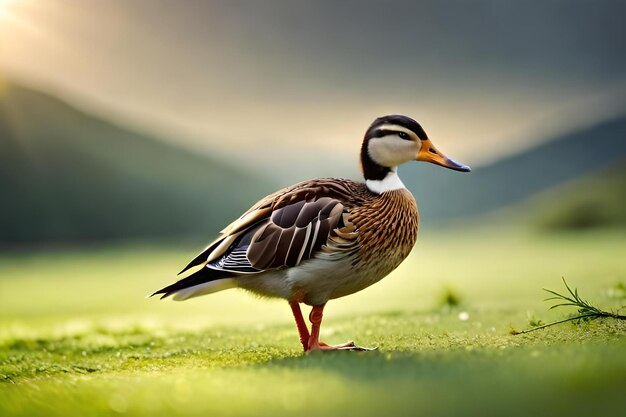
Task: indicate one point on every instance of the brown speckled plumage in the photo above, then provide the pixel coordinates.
(375, 232)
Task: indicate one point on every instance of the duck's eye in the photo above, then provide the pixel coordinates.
(403, 135)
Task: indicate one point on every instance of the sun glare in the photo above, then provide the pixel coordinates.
(12, 17)
(5, 8)
(11, 12)
(5, 5)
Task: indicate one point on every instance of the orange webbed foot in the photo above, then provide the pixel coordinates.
(314, 337)
(321, 346)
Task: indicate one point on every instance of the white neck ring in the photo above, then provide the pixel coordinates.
(389, 183)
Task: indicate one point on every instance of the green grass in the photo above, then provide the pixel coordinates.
(78, 338)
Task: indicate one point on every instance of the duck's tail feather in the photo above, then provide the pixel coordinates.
(201, 282)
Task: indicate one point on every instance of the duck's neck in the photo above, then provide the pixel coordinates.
(390, 182)
(377, 177)
(371, 170)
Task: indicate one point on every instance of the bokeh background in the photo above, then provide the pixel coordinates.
(129, 119)
(132, 131)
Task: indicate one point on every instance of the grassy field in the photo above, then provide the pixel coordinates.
(77, 336)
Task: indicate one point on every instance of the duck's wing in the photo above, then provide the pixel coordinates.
(286, 228)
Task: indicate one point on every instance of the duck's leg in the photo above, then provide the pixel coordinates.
(314, 340)
(303, 331)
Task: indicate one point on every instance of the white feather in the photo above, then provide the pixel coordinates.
(391, 182)
(391, 150)
(206, 288)
(398, 128)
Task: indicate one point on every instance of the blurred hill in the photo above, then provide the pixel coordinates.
(69, 176)
(594, 201)
(443, 194)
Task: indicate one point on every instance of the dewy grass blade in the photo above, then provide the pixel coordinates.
(586, 310)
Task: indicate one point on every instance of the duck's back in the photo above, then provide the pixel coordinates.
(377, 232)
(310, 242)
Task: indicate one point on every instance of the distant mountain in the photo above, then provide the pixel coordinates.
(444, 194)
(594, 201)
(69, 176)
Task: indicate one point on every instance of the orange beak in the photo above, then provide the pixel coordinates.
(429, 153)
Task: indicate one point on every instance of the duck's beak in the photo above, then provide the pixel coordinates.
(429, 153)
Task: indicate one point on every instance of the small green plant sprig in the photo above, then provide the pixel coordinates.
(586, 310)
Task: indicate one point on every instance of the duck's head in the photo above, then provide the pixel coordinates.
(393, 140)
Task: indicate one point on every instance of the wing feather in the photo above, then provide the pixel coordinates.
(286, 228)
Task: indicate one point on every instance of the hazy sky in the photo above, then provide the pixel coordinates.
(483, 77)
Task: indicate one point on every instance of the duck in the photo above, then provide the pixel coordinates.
(322, 239)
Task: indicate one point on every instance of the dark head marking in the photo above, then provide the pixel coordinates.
(371, 170)
(395, 119)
